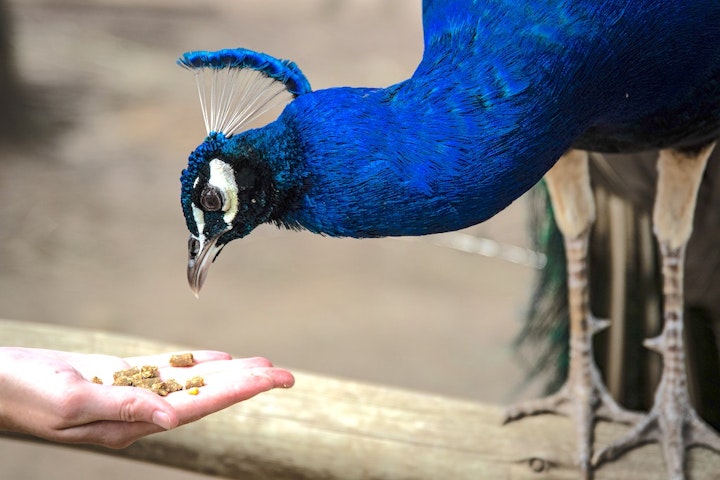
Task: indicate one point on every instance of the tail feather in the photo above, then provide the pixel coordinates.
(542, 342)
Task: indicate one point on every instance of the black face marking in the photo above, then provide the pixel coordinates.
(248, 186)
(193, 247)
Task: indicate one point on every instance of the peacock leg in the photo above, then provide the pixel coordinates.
(672, 421)
(583, 397)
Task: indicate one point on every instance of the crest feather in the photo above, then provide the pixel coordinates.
(236, 86)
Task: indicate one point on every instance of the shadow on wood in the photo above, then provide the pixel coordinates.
(327, 428)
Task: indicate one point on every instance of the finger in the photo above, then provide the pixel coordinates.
(229, 368)
(109, 434)
(245, 377)
(215, 397)
(282, 378)
(121, 404)
(227, 388)
(279, 377)
(199, 356)
(221, 365)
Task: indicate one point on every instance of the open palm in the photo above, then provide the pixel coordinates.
(49, 394)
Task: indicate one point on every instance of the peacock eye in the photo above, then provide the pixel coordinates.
(211, 199)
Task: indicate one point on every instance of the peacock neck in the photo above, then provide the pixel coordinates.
(414, 160)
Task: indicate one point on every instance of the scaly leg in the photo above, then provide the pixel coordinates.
(672, 421)
(583, 397)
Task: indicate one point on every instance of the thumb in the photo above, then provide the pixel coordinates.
(131, 404)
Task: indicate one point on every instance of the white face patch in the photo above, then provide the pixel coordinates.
(199, 217)
(223, 177)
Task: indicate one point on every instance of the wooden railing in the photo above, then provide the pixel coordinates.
(328, 428)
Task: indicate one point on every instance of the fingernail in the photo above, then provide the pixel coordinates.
(162, 419)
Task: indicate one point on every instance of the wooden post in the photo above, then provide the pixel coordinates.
(328, 428)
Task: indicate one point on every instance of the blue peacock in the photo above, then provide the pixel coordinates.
(507, 92)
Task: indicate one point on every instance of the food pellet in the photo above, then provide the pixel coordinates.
(148, 377)
(148, 383)
(123, 380)
(195, 382)
(97, 380)
(129, 373)
(182, 360)
(149, 371)
(160, 388)
(172, 386)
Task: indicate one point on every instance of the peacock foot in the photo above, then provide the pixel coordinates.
(585, 399)
(672, 422)
(676, 431)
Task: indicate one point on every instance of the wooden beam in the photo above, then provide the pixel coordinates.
(327, 428)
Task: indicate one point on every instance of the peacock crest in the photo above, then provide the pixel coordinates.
(237, 86)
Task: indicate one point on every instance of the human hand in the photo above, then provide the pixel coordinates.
(49, 394)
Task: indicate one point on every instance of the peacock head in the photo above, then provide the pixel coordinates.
(226, 193)
(228, 187)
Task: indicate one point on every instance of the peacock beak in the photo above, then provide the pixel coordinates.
(201, 254)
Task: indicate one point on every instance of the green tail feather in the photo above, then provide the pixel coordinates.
(542, 344)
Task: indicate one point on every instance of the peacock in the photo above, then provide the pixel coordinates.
(507, 93)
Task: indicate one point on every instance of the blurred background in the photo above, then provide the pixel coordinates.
(97, 122)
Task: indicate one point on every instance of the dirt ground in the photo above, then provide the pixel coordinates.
(91, 233)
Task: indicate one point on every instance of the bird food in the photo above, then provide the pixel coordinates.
(182, 360)
(195, 382)
(148, 377)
